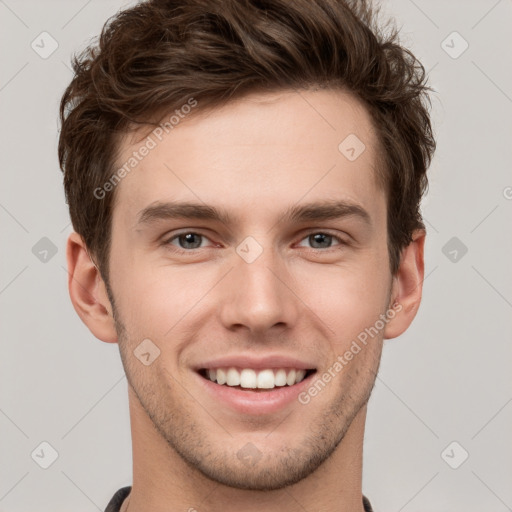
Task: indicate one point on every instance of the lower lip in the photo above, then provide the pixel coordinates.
(255, 402)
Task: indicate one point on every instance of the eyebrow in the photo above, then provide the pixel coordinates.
(318, 211)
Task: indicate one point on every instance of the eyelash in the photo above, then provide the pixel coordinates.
(179, 250)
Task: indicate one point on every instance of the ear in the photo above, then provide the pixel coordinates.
(407, 286)
(88, 291)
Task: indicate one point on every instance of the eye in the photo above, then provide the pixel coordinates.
(322, 240)
(188, 240)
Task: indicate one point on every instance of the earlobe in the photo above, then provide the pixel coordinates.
(88, 292)
(407, 286)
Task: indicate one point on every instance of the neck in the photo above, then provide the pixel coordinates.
(163, 481)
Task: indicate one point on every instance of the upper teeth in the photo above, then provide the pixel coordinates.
(248, 378)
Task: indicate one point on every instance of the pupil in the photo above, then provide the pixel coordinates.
(322, 238)
(188, 238)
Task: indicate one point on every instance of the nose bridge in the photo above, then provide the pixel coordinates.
(258, 296)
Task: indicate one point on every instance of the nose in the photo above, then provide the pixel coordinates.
(258, 295)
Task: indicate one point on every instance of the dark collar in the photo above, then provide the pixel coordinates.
(117, 500)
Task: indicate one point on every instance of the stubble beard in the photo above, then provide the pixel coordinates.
(192, 440)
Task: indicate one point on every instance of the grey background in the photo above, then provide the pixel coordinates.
(448, 378)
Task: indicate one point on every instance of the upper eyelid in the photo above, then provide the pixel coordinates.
(167, 238)
(325, 232)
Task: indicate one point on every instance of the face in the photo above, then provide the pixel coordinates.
(281, 265)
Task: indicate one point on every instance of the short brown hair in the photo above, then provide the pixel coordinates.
(152, 58)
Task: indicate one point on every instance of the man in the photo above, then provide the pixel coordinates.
(244, 180)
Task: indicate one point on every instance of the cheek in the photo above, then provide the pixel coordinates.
(154, 300)
(346, 300)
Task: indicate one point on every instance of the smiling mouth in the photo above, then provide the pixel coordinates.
(247, 379)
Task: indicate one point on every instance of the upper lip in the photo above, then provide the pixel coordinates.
(250, 361)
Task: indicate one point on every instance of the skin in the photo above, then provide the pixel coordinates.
(255, 157)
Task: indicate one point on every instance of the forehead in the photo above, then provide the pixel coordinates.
(254, 154)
